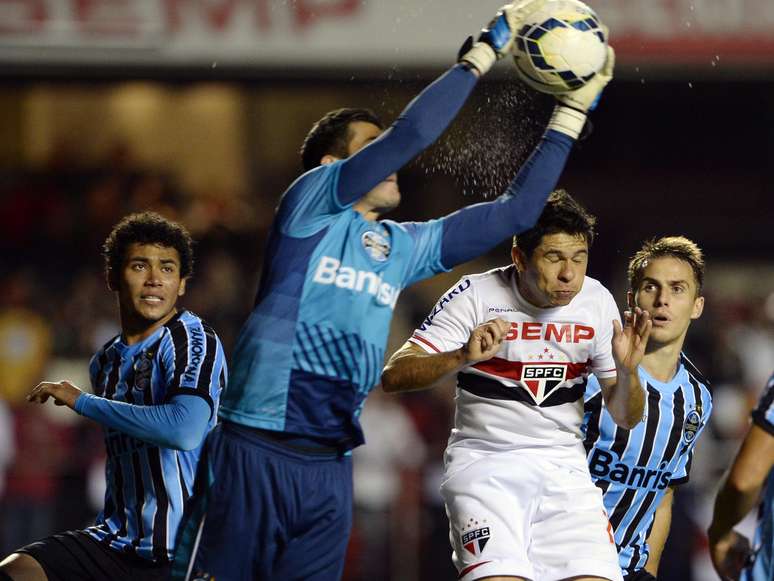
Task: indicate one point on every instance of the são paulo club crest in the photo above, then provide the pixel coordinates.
(475, 539)
(376, 245)
(691, 426)
(541, 379)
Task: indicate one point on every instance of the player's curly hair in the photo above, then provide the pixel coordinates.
(562, 213)
(678, 247)
(146, 228)
(331, 135)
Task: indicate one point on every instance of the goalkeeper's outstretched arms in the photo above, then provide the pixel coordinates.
(519, 208)
(430, 113)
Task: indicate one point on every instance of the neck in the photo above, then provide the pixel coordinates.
(366, 210)
(661, 361)
(134, 329)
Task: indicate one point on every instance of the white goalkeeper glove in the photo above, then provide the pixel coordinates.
(570, 113)
(497, 38)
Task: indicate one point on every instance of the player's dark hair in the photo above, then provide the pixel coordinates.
(146, 228)
(331, 135)
(677, 247)
(562, 213)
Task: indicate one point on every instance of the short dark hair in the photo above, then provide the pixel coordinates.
(562, 213)
(146, 228)
(331, 135)
(678, 247)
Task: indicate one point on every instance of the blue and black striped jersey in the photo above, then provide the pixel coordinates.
(147, 485)
(762, 568)
(633, 468)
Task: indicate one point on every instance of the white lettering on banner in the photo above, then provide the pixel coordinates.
(330, 271)
(321, 33)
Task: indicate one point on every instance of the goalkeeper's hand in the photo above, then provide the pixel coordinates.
(570, 113)
(497, 38)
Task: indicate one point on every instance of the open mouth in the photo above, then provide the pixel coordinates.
(660, 320)
(152, 299)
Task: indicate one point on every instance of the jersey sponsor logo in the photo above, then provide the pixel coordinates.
(558, 332)
(500, 309)
(475, 540)
(196, 350)
(445, 300)
(330, 271)
(691, 426)
(376, 245)
(541, 379)
(607, 466)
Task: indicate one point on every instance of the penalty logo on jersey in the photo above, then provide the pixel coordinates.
(376, 245)
(474, 541)
(542, 379)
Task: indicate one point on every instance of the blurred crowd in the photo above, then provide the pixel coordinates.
(55, 311)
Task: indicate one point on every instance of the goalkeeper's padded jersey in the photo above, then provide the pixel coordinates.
(633, 468)
(530, 394)
(313, 346)
(762, 568)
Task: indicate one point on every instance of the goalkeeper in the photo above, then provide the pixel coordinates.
(274, 497)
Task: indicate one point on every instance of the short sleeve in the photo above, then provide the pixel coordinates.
(193, 363)
(426, 254)
(449, 324)
(683, 471)
(602, 363)
(763, 414)
(311, 202)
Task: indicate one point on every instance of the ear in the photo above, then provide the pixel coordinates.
(519, 258)
(328, 159)
(631, 301)
(112, 284)
(698, 308)
(181, 288)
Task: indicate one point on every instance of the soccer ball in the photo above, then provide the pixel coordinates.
(560, 47)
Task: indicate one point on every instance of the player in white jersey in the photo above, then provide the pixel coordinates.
(522, 340)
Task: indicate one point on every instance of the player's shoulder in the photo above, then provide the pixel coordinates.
(594, 290)
(106, 348)
(500, 277)
(695, 376)
(190, 324)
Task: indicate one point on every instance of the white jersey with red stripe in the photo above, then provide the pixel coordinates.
(530, 394)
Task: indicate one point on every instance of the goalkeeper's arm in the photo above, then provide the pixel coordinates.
(428, 115)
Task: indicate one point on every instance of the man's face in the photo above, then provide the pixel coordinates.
(385, 196)
(554, 274)
(150, 283)
(668, 291)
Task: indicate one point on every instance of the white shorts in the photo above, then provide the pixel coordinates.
(524, 514)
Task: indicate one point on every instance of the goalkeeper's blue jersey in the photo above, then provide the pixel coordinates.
(314, 344)
(633, 468)
(762, 568)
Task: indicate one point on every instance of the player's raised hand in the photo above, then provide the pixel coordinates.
(629, 343)
(485, 340)
(729, 554)
(497, 37)
(62, 392)
(586, 98)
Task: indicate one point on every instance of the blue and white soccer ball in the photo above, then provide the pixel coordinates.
(560, 47)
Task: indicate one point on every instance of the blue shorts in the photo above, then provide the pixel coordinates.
(265, 510)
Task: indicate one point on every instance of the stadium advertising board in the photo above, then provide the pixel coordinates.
(354, 33)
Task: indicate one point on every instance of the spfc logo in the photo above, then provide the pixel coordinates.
(691, 426)
(474, 541)
(541, 380)
(376, 245)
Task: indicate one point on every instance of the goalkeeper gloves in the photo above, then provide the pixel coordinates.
(570, 113)
(497, 38)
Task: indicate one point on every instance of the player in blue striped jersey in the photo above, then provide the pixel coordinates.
(156, 390)
(748, 483)
(638, 469)
(314, 345)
